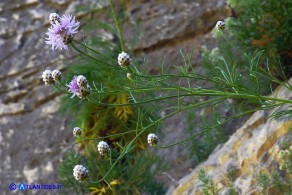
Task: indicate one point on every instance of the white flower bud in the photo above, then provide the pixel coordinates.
(80, 173)
(103, 147)
(81, 81)
(47, 77)
(152, 139)
(124, 59)
(77, 131)
(57, 75)
(220, 25)
(54, 18)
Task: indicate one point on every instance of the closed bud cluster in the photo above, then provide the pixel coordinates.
(152, 139)
(80, 173)
(77, 131)
(124, 59)
(103, 147)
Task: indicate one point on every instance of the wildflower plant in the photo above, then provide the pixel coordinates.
(118, 102)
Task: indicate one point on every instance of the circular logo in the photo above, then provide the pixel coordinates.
(22, 186)
(12, 186)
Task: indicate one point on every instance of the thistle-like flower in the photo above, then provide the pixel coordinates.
(54, 18)
(103, 147)
(47, 77)
(82, 92)
(220, 25)
(152, 139)
(77, 131)
(124, 59)
(80, 173)
(61, 32)
(57, 75)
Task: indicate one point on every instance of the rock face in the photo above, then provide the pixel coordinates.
(252, 150)
(168, 26)
(33, 137)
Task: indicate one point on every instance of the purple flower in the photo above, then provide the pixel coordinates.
(80, 91)
(73, 87)
(61, 33)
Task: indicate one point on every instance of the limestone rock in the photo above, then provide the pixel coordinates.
(251, 150)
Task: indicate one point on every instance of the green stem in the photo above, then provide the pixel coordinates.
(108, 136)
(185, 140)
(58, 88)
(191, 92)
(117, 25)
(95, 51)
(143, 102)
(83, 53)
(189, 75)
(103, 178)
(246, 96)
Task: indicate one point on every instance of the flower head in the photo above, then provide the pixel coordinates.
(57, 75)
(124, 59)
(54, 18)
(81, 81)
(47, 77)
(220, 25)
(103, 147)
(61, 32)
(77, 131)
(81, 91)
(80, 173)
(152, 139)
